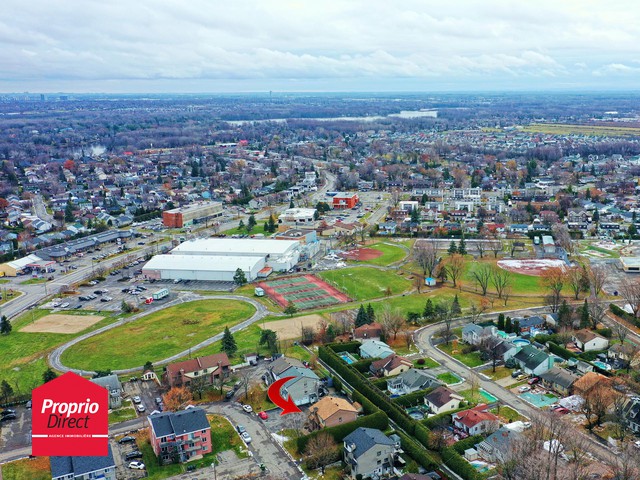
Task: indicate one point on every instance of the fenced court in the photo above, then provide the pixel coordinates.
(304, 291)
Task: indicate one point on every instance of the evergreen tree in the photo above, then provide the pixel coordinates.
(415, 216)
(265, 228)
(371, 315)
(147, 366)
(516, 327)
(5, 325)
(6, 391)
(428, 310)
(584, 315)
(596, 216)
(501, 322)
(564, 313)
(228, 342)
(68, 212)
(462, 247)
(272, 224)
(291, 205)
(455, 306)
(424, 199)
(251, 223)
(48, 375)
(508, 327)
(361, 317)
(241, 225)
(452, 248)
(239, 277)
(290, 309)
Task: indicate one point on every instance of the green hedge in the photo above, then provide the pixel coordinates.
(351, 347)
(605, 332)
(417, 452)
(380, 383)
(467, 443)
(455, 462)
(437, 420)
(363, 365)
(376, 420)
(411, 399)
(367, 405)
(560, 351)
(622, 314)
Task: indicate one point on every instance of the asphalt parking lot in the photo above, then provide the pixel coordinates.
(120, 450)
(16, 433)
(148, 391)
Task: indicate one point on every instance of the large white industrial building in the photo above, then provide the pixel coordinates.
(217, 259)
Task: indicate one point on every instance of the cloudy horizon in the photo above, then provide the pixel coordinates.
(204, 46)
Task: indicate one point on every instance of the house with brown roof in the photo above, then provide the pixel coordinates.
(368, 331)
(390, 366)
(588, 341)
(476, 420)
(331, 411)
(592, 382)
(443, 399)
(211, 367)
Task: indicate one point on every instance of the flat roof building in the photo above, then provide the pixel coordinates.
(298, 216)
(191, 214)
(342, 200)
(630, 264)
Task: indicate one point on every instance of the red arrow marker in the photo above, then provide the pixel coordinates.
(287, 406)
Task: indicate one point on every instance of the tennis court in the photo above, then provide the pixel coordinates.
(304, 291)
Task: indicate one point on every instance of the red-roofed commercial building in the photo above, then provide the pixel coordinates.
(344, 200)
(476, 420)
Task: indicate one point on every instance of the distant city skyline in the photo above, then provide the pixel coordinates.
(334, 46)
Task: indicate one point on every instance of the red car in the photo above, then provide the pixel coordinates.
(561, 411)
(533, 381)
(263, 415)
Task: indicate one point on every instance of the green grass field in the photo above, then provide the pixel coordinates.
(26, 469)
(121, 414)
(33, 281)
(428, 363)
(25, 353)
(590, 130)
(469, 359)
(390, 254)
(156, 336)
(365, 283)
(448, 378)
(520, 284)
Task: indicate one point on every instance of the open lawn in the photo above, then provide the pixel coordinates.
(156, 336)
(449, 378)
(428, 363)
(121, 414)
(507, 413)
(33, 281)
(589, 130)
(364, 283)
(26, 469)
(469, 359)
(390, 254)
(520, 284)
(501, 372)
(24, 353)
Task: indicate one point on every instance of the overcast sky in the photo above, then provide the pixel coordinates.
(318, 45)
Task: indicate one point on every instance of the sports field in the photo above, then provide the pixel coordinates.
(304, 291)
(59, 323)
(364, 283)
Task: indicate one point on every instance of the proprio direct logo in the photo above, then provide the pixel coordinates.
(70, 417)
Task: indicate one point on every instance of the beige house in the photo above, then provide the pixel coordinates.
(390, 366)
(443, 399)
(330, 412)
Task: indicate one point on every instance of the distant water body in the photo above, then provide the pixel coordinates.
(406, 114)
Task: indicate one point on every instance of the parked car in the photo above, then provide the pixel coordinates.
(158, 400)
(263, 415)
(133, 455)
(136, 465)
(229, 395)
(10, 416)
(240, 429)
(246, 437)
(247, 408)
(8, 411)
(533, 381)
(516, 373)
(141, 408)
(561, 411)
(64, 305)
(136, 399)
(524, 388)
(127, 439)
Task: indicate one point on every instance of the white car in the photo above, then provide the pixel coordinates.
(247, 408)
(136, 465)
(141, 408)
(136, 399)
(524, 389)
(246, 437)
(64, 305)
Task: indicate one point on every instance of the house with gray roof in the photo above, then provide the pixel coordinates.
(631, 414)
(84, 468)
(559, 380)
(411, 381)
(533, 361)
(497, 446)
(303, 389)
(113, 385)
(368, 452)
(375, 349)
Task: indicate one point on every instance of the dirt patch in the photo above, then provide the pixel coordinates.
(361, 254)
(59, 323)
(533, 267)
(290, 328)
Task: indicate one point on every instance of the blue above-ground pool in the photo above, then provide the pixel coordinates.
(347, 357)
(601, 365)
(521, 341)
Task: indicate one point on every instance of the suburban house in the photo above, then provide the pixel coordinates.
(631, 412)
(590, 380)
(559, 380)
(375, 349)
(496, 447)
(622, 352)
(390, 366)
(474, 334)
(303, 389)
(587, 341)
(529, 323)
(210, 368)
(113, 385)
(368, 331)
(180, 436)
(83, 468)
(368, 452)
(443, 399)
(411, 381)
(476, 420)
(331, 411)
(533, 361)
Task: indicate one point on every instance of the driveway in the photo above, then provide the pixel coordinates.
(16, 433)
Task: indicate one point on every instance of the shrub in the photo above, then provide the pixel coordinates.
(605, 332)
(560, 351)
(412, 399)
(417, 452)
(351, 347)
(420, 361)
(455, 462)
(440, 419)
(363, 365)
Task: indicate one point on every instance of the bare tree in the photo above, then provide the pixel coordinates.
(596, 402)
(500, 279)
(392, 321)
(506, 294)
(491, 346)
(619, 418)
(620, 331)
(574, 280)
(455, 268)
(554, 280)
(597, 311)
(598, 276)
(425, 254)
(245, 380)
(482, 277)
(477, 310)
(563, 238)
(496, 246)
(418, 281)
(625, 465)
(474, 383)
(630, 291)
(446, 333)
(480, 247)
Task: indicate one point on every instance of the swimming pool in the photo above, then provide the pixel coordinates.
(539, 399)
(521, 341)
(415, 413)
(480, 466)
(490, 398)
(347, 357)
(601, 365)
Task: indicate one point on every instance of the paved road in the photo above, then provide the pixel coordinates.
(424, 342)
(261, 311)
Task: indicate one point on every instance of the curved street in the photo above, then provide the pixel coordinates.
(261, 312)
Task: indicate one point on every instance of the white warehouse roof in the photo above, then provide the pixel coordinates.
(20, 263)
(202, 263)
(239, 246)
